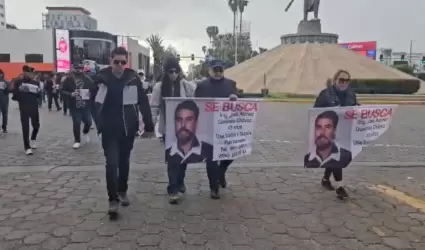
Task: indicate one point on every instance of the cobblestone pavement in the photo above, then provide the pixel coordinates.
(263, 208)
(280, 137)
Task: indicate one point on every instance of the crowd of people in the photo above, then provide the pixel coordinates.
(113, 100)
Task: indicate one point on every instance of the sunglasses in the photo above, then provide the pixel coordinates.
(122, 62)
(173, 72)
(218, 69)
(343, 80)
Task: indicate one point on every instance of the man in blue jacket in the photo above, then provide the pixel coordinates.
(119, 99)
(217, 86)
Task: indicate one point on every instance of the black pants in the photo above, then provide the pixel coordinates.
(65, 103)
(80, 115)
(4, 111)
(26, 116)
(117, 152)
(50, 98)
(215, 171)
(176, 174)
(93, 112)
(337, 173)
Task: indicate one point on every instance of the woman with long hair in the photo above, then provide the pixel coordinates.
(171, 85)
(336, 94)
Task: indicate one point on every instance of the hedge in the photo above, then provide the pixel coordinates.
(365, 86)
(385, 86)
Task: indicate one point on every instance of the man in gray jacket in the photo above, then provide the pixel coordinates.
(217, 86)
(4, 100)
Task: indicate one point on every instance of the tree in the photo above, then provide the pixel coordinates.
(262, 50)
(233, 5)
(212, 32)
(241, 6)
(155, 42)
(204, 50)
(170, 51)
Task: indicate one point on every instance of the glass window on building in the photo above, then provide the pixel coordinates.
(140, 61)
(91, 49)
(4, 57)
(33, 58)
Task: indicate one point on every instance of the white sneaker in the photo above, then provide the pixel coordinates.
(87, 138)
(29, 152)
(76, 145)
(33, 144)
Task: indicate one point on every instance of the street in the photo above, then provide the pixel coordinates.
(56, 199)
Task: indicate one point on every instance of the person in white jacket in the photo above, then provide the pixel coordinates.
(171, 85)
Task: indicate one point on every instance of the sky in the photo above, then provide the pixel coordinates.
(182, 23)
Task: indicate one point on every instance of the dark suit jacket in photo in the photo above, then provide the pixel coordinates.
(339, 158)
(200, 153)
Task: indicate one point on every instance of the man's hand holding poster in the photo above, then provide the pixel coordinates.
(338, 134)
(202, 129)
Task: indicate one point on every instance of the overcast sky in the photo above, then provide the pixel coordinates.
(392, 23)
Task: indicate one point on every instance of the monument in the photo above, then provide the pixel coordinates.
(309, 31)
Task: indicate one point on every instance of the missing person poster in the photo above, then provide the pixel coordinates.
(338, 134)
(202, 129)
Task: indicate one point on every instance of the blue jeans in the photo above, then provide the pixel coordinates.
(80, 115)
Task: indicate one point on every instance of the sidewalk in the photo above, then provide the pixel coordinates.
(263, 208)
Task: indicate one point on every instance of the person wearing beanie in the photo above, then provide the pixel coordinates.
(26, 92)
(4, 100)
(171, 85)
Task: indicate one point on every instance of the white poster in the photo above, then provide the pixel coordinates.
(338, 134)
(63, 59)
(202, 129)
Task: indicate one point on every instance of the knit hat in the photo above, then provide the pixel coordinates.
(171, 63)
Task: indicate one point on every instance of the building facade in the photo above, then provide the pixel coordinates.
(2, 14)
(55, 50)
(68, 18)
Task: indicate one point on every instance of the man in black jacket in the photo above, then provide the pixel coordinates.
(52, 91)
(217, 86)
(26, 92)
(119, 99)
(76, 88)
(4, 100)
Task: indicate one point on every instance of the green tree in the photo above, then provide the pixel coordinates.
(233, 5)
(157, 47)
(170, 51)
(262, 50)
(406, 69)
(241, 6)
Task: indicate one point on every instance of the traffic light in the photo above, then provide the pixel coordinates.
(423, 60)
(402, 57)
(192, 57)
(178, 57)
(381, 58)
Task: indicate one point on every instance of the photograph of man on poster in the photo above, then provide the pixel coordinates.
(187, 148)
(326, 152)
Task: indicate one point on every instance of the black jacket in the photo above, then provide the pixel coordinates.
(131, 108)
(25, 98)
(69, 86)
(329, 98)
(48, 87)
(210, 87)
